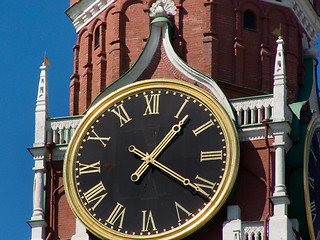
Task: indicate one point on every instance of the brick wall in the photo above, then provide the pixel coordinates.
(209, 36)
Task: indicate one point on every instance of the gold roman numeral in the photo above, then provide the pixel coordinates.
(208, 184)
(118, 212)
(95, 194)
(203, 127)
(210, 155)
(313, 209)
(179, 207)
(122, 114)
(152, 104)
(181, 108)
(97, 138)
(89, 168)
(146, 220)
(311, 182)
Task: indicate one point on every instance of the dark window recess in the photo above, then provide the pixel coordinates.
(97, 38)
(249, 20)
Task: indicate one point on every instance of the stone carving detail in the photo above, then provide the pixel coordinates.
(252, 230)
(253, 110)
(162, 8)
(60, 130)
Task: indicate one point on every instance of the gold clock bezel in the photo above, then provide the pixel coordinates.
(203, 216)
(313, 125)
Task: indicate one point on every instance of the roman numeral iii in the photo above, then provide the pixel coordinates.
(210, 155)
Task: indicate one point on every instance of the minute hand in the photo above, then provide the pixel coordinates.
(166, 140)
(170, 172)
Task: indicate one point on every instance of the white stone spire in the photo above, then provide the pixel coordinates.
(41, 109)
(279, 85)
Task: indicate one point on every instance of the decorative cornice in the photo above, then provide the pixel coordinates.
(252, 133)
(84, 11)
(305, 13)
(308, 17)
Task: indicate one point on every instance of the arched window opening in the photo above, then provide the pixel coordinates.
(97, 38)
(249, 20)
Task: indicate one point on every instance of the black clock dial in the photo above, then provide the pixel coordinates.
(151, 162)
(312, 179)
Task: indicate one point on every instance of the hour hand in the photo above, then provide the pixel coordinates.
(143, 167)
(135, 150)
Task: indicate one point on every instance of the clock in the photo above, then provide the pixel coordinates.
(312, 177)
(156, 159)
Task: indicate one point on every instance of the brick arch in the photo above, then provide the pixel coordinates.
(97, 21)
(98, 58)
(126, 4)
(252, 5)
(82, 32)
(133, 37)
(252, 39)
(85, 69)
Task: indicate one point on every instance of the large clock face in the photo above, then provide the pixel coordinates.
(154, 160)
(312, 178)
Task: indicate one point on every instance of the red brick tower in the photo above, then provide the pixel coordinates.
(218, 39)
(229, 46)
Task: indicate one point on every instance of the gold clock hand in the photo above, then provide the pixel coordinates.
(185, 181)
(143, 167)
(135, 150)
(170, 135)
(164, 142)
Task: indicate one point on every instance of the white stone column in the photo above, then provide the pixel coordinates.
(280, 227)
(279, 145)
(37, 222)
(39, 152)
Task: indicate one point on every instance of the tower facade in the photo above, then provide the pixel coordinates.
(256, 58)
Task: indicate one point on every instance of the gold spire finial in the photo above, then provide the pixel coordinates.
(46, 61)
(278, 32)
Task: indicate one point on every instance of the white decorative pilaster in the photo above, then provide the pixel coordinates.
(81, 231)
(39, 152)
(280, 226)
(232, 227)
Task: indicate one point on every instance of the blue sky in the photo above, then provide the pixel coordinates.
(29, 28)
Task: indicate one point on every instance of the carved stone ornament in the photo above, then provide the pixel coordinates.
(162, 8)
